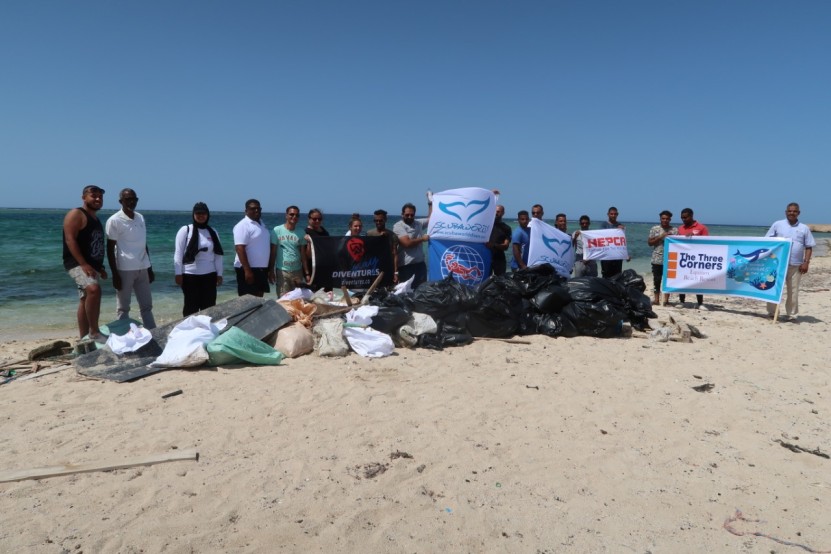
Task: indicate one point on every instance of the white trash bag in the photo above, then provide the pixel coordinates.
(186, 342)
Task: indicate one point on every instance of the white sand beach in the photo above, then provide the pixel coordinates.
(560, 445)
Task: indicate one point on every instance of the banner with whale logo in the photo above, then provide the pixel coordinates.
(465, 214)
(551, 246)
(734, 266)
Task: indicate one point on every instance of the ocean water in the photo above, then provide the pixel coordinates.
(37, 297)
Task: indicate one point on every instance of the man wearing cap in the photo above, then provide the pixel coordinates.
(254, 260)
(83, 258)
(129, 259)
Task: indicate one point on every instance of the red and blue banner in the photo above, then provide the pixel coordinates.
(468, 262)
(735, 266)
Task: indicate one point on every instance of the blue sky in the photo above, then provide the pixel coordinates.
(722, 106)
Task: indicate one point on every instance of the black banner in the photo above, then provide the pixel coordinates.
(352, 262)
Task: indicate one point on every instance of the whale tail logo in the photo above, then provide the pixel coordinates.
(453, 208)
(559, 247)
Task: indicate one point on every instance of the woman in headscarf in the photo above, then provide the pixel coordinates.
(197, 261)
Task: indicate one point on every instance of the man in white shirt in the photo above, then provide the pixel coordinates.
(129, 259)
(802, 247)
(255, 255)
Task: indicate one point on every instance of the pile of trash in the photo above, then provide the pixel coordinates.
(530, 301)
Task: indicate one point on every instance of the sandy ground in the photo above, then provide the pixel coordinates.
(560, 445)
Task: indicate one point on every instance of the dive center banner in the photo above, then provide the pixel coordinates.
(550, 246)
(604, 244)
(352, 262)
(468, 262)
(735, 266)
(463, 215)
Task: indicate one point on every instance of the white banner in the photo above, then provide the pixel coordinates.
(604, 244)
(462, 214)
(550, 246)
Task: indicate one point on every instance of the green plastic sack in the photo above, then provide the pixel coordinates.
(236, 346)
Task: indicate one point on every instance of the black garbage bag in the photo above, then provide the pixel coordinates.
(596, 319)
(595, 289)
(555, 325)
(638, 305)
(550, 300)
(630, 278)
(441, 298)
(442, 338)
(531, 280)
(499, 309)
(380, 297)
(528, 321)
(390, 318)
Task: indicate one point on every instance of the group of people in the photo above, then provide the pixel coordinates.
(282, 255)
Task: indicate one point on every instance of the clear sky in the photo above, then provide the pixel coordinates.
(723, 106)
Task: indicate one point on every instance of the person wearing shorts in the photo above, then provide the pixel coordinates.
(83, 258)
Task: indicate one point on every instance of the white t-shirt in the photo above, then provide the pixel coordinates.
(800, 236)
(130, 236)
(257, 241)
(205, 262)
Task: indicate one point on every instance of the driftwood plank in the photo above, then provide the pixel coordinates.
(42, 373)
(89, 467)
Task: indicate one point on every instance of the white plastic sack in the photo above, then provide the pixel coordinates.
(419, 324)
(406, 286)
(186, 342)
(366, 342)
(130, 341)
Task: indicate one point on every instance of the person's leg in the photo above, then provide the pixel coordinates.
(141, 285)
(190, 288)
(699, 298)
(792, 282)
(591, 267)
(92, 309)
(405, 272)
(657, 275)
(207, 290)
(420, 273)
(124, 295)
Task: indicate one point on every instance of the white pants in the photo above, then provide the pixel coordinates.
(792, 282)
(137, 280)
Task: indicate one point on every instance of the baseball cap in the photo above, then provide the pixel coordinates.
(93, 188)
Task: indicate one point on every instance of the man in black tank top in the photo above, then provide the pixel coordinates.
(83, 258)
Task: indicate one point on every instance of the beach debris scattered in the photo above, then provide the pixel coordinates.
(50, 350)
(739, 516)
(177, 392)
(706, 387)
(537, 387)
(71, 469)
(398, 454)
(368, 471)
(799, 449)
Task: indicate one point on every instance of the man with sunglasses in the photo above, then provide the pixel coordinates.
(292, 260)
(129, 259)
(83, 258)
(254, 260)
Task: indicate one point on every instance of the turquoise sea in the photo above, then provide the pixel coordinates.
(38, 299)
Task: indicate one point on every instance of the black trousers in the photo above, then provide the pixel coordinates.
(610, 268)
(200, 292)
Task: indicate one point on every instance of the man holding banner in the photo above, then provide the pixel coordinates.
(611, 266)
(802, 247)
(411, 238)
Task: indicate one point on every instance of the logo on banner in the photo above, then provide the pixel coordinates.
(759, 268)
(464, 263)
(465, 214)
(355, 247)
(453, 208)
(558, 246)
